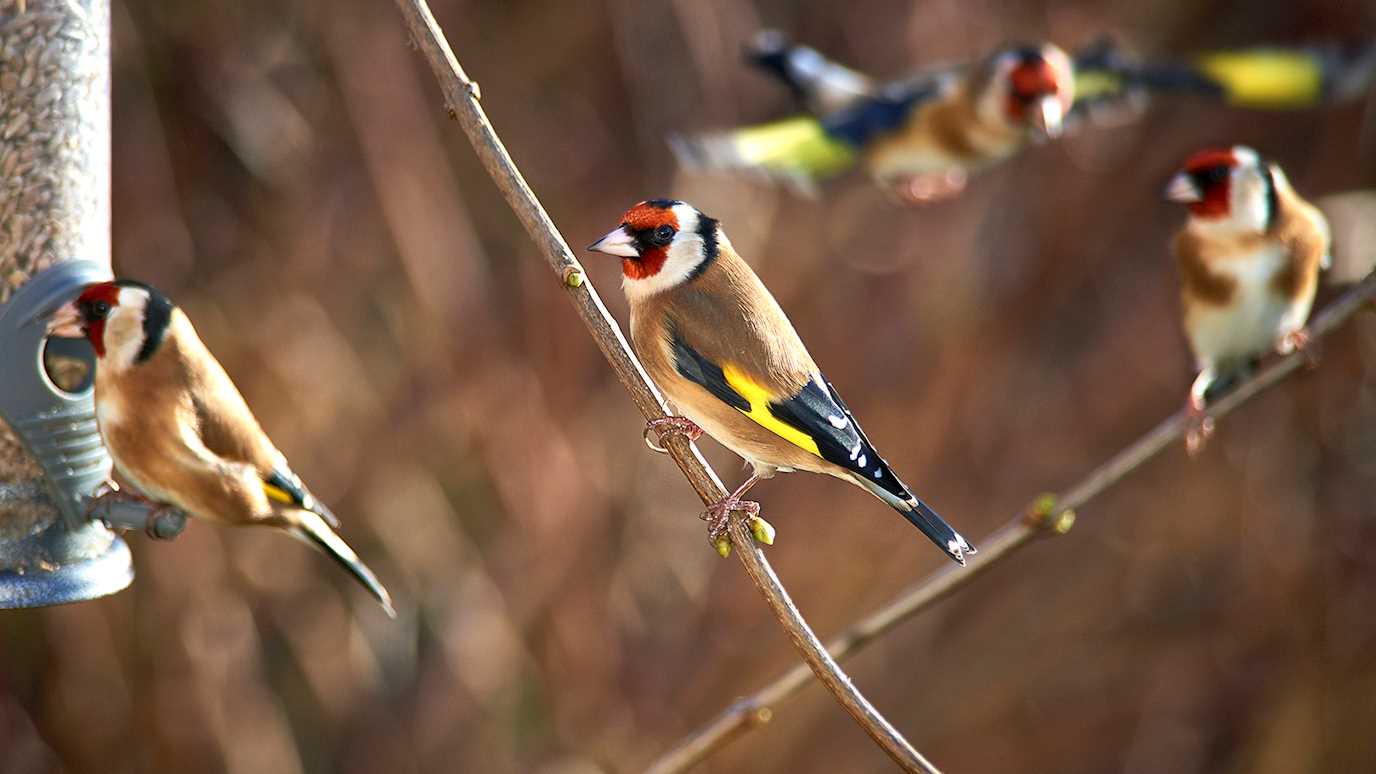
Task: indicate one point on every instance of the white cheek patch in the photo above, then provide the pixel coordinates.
(685, 254)
(1248, 205)
(124, 331)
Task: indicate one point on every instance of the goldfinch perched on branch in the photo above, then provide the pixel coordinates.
(178, 430)
(919, 137)
(716, 342)
(1249, 257)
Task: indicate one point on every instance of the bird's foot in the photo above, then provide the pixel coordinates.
(1198, 426)
(1299, 341)
(666, 427)
(109, 493)
(929, 188)
(718, 515)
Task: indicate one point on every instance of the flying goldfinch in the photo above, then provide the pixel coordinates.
(919, 137)
(716, 342)
(178, 430)
(1249, 256)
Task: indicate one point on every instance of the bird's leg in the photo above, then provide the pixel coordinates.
(929, 187)
(664, 427)
(718, 514)
(1298, 341)
(1198, 424)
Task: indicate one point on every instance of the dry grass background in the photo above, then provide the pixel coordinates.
(286, 171)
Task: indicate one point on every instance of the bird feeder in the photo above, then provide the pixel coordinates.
(55, 546)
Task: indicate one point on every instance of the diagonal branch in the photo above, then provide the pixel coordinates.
(461, 95)
(1048, 515)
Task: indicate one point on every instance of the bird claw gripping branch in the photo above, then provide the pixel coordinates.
(718, 515)
(1199, 426)
(120, 509)
(666, 427)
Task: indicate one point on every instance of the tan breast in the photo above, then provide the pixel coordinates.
(179, 431)
(727, 316)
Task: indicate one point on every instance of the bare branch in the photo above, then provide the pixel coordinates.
(462, 96)
(1048, 515)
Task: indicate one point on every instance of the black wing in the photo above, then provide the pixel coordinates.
(885, 112)
(698, 369)
(286, 487)
(820, 413)
(816, 411)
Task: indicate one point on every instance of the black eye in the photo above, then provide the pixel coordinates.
(663, 235)
(1215, 174)
(100, 309)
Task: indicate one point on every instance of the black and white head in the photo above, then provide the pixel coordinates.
(1030, 87)
(1230, 190)
(662, 243)
(125, 321)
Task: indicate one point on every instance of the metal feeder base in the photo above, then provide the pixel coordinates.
(96, 575)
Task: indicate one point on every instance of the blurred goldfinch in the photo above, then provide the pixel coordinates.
(716, 342)
(1249, 256)
(919, 137)
(1257, 78)
(178, 430)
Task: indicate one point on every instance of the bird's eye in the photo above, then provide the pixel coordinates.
(663, 235)
(1216, 174)
(100, 309)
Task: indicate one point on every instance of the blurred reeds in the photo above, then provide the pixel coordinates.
(287, 173)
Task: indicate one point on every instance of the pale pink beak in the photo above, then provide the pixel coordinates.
(618, 242)
(1183, 189)
(1048, 117)
(66, 323)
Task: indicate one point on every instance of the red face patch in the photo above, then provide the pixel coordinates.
(1211, 170)
(95, 303)
(643, 220)
(1029, 82)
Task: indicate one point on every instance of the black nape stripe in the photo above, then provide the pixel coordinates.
(1272, 197)
(707, 230)
(663, 204)
(157, 315)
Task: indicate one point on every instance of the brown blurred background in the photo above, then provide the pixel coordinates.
(286, 171)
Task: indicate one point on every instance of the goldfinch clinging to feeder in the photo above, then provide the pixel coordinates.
(1249, 257)
(178, 430)
(919, 138)
(717, 343)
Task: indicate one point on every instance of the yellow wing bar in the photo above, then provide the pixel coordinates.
(759, 399)
(1267, 77)
(274, 493)
(798, 143)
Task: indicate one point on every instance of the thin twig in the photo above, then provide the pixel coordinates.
(1048, 515)
(462, 96)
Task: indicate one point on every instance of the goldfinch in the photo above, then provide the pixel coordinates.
(919, 137)
(1257, 78)
(719, 346)
(1249, 256)
(178, 430)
